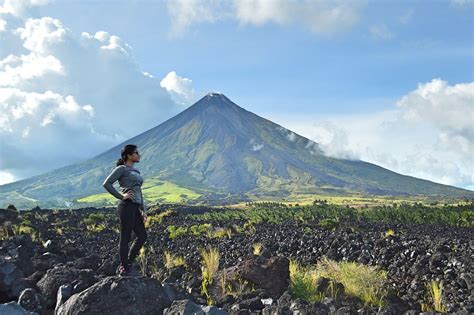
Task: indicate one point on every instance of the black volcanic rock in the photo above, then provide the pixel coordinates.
(269, 274)
(30, 300)
(118, 295)
(417, 254)
(60, 275)
(184, 307)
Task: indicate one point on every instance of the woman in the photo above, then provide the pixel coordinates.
(131, 208)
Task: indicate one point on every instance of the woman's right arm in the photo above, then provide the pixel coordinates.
(111, 179)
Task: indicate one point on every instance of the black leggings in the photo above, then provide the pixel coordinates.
(131, 219)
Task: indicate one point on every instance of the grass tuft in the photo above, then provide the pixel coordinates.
(209, 267)
(257, 249)
(171, 260)
(364, 282)
(142, 261)
(435, 296)
(389, 233)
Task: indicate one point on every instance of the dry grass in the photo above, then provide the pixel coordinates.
(364, 282)
(389, 232)
(435, 296)
(158, 218)
(171, 260)
(209, 267)
(257, 249)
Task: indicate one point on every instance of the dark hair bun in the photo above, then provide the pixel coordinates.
(120, 162)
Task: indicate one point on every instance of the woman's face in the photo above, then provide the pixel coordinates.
(135, 156)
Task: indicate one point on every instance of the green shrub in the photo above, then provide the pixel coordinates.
(175, 232)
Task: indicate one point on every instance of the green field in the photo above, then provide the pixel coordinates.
(154, 190)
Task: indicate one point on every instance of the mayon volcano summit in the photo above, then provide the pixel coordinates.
(217, 148)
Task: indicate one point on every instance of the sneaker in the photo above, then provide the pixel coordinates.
(123, 271)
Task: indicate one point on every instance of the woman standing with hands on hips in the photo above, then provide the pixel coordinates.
(131, 208)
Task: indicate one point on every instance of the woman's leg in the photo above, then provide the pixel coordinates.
(141, 235)
(127, 221)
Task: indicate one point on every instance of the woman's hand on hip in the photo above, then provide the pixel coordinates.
(128, 195)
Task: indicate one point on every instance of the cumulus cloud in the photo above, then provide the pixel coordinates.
(6, 177)
(429, 134)
(318, 16)
(20, 8)
(180, 88)
(63, 92)
(449, 108)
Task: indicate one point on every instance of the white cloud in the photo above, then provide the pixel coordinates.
(429, 134)
(407, 16)
(318, 16)
(184, 13)
(64, 96)
(288, 133)
(6, 177)
(463, 4)
(180, 89)
(255, 145)
(380, 31)
(20, 8)
(3, 25)
(450, 108)
(291, 136)
(41, 35)
(332, 140)
(15, 70)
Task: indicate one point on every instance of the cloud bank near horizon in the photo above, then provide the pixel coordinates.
(428, 134)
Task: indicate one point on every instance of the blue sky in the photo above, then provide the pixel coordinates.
(389, 82)
(350, 71)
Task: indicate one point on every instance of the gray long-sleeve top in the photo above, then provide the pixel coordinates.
(129, 178)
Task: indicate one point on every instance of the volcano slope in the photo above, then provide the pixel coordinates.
(269, 259)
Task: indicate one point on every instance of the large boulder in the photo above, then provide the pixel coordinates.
(19, 249)
(87, 262)
(49, 284)
(118, 295)
(31, 300)
(12, 280)
(269, 274)
(12, 308)
(10, 213)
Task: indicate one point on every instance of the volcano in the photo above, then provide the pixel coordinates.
(216, 147)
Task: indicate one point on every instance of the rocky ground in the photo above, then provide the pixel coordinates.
(68, 267)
